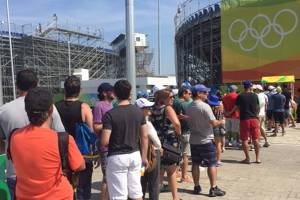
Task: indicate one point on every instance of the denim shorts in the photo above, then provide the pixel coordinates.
(204, 154)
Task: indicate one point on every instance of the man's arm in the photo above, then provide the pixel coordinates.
(87, 115)
(144, 144)
(105, 136)
(216, 123)
(97, 127)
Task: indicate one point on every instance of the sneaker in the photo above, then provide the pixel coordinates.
(267, 144)
(219, 164)
(213, 192)
(197, 189)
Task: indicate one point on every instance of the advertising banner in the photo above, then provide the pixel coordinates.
(260, 38)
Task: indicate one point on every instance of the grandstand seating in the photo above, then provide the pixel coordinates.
(200, 16)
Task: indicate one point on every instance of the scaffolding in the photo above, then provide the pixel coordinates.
(53, 52)
(198, 43)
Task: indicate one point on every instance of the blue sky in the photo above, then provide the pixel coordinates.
(106, 14)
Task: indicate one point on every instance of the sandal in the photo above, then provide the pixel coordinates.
(246, 161)
(258, 162)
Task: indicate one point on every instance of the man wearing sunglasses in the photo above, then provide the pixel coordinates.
(201, 122)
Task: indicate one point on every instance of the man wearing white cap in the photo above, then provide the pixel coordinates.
(263, 102)
(270, 118)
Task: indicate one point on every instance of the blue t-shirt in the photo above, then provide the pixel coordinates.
(278, 102)
(270, 101)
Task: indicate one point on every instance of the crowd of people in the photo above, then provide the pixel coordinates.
(138, 141)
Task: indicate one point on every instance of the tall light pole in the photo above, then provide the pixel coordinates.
(130, 47)
(69, 56)
(158, 36)
(11, 54)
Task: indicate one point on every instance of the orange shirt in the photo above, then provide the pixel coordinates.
(35, 155)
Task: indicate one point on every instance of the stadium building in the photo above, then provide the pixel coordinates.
(230, 41)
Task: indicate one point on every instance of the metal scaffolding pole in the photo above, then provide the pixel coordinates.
(130, 47)
(11, 54)
(158, 36)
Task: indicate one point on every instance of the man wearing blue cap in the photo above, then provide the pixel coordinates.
(248, 105)
(201, 122)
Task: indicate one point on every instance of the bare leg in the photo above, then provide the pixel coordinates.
(256, 147)
(212, 174)
(246, 149)
(218, 148)
(196, 174)
(171, 171)
(104, 192)
(184, 167)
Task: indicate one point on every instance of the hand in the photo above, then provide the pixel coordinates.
(161, 152)
(145, 162)
(222, 122)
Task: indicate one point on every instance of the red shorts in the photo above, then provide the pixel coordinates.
(249, 128)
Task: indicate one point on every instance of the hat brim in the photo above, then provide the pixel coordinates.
(213, 103)
(148, 105)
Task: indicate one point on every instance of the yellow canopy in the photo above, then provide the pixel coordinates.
(278, 79)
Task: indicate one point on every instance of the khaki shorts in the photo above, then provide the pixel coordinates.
(232, 125)
(262, 120)
(185, 143)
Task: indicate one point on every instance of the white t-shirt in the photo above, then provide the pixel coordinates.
(152, 134)
(263, 100)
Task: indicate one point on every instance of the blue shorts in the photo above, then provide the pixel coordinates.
(204, 154)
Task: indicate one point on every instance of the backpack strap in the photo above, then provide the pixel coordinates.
(63, 144)
(8, 153)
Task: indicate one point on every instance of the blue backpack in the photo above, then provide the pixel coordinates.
(86, 140)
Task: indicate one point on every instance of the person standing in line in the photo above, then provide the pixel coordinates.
(278, 106)
(125, 133)
(106, 96)
(219, 132)
(201, 122)
(287, 106)
(73, 111)
(248, 105)
(150, 180)
(167, 125)
(263, 104)
(13, 115)
(232, 121)
(34, 150)
(270, 112)
(180, 106)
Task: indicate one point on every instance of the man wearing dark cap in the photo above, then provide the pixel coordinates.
(248, 105)
(201, 122)
(35, 153)
(106, 96)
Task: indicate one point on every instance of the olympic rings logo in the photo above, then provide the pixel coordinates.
(259, 36)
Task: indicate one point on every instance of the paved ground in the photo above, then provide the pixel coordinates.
(277, 177)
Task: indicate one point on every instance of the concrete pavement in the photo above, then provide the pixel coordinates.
(276, 178)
